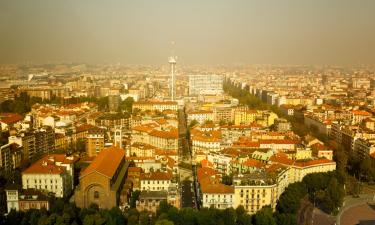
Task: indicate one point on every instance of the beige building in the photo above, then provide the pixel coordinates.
(255, 190)
(94, 144)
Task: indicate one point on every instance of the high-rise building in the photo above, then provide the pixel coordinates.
(113, 102)
(205, 84)
(94, 143)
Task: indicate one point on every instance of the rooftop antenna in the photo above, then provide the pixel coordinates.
(172, 62)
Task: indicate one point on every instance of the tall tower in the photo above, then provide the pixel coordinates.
(172, 61)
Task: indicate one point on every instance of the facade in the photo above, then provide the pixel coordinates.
(217, 195)
(255, 190)
(114, 102)
(201, 116)
(94, 143)
(150, 200)
(35, 142)
(243, 117)
(160, 106)
(155, 181)
(102, 181)
(53, 173)
(363, 147)
(205, 84)
(162, 139)
(10, 156)
(23, 200)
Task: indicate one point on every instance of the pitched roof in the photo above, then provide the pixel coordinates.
(10, 118)
(253, 163)
(361, 113)
(107, 162)
(207, 163)
(208, 186)
(312, 162)
(47, 164)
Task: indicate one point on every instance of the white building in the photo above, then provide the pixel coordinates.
(210, 83)
(52, 173)
(155, 181)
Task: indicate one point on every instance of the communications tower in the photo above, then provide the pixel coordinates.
(172, 61)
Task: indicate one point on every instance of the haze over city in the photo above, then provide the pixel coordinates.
(210, 112)
(339, 32)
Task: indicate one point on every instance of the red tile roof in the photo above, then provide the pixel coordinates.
(85, 127)
(205, 172)
(207, 163)
(135, 169)
(47, 164)
(211, 186)
(106, 162)
(10, 118)
(361, 113)
(253, 163)
(281, 158)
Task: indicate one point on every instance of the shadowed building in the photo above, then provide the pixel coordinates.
(102, 181)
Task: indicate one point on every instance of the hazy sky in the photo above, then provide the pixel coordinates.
(205, 31)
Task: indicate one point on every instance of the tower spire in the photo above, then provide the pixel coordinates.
(172, 62)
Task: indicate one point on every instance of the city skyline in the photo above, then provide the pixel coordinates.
(212, 32)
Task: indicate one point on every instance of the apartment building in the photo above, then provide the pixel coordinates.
(52, 173)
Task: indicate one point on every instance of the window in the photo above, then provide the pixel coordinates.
(96, 194)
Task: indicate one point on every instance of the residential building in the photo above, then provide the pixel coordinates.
(52, 173)
(205, 84)
(23, 200)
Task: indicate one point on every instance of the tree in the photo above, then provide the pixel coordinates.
(163, 208)
(127, 104)
(81, 145)
(134, 198)
(335, 193)
(144, 218)
(286, 219)
(227, 179)
(264, 217)
(164, 222)
(289, 200)
(193, 123)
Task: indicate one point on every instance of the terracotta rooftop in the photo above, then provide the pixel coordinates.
(10, 118)
(281, 158)
(172, 134)
(135, 169)
(211, 186)
(361, 113)
(253, 163)
(47, 164)
(207, 163)
(205, 172)
(106, 162)
(85, 127)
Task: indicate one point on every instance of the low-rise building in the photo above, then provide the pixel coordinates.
(53, 173)
(23, 200)
(155, 181)
(102, 181)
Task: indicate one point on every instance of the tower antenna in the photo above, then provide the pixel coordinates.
(172, 62)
